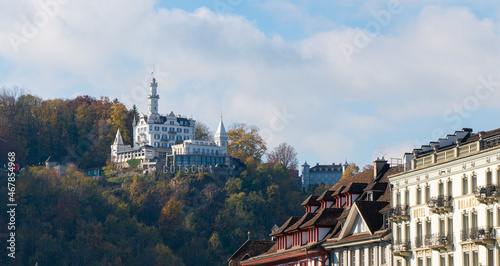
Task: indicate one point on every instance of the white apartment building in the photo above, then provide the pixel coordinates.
(445, 205)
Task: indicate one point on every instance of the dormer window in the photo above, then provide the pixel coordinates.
(369, 196)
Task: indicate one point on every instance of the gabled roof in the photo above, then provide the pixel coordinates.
(291, 221)
(251, 249)
(363, 177)
(326, 196)
(354, 188)
(312, 201)
(338, 191)
(325, 218)
(303, 220)
(369, 212)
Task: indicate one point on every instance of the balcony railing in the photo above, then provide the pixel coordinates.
(419, 242)
(440, 204)
(439, 241)
(402, 248)
(486, 194)
(479, 235)
(399, 213)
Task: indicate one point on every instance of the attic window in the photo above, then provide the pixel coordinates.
(359, 226)
(370, 196)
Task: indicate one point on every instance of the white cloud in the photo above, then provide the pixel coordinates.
(212, 62)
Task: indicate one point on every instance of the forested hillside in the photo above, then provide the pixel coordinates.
(78, 130)
(156, 219)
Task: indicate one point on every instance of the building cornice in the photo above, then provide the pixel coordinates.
(443, 170)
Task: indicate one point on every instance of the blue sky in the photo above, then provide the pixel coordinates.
(336, 79)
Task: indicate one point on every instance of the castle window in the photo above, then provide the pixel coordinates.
(370, 196)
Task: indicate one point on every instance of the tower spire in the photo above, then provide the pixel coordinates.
(118, 138)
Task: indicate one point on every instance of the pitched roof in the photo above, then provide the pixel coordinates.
(251, 249)
(326, 217)
(370, 211)
(326, 196)
(363, 177)
(354, 188)
(305, 218)
(311, 200)
(291, 221)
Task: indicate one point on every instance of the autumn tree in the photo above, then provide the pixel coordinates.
(245, 142)
(171, 214)
(351, 170)
(203, 132)
(284, 154)
(118, 119)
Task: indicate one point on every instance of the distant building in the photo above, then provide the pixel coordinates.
(60, 169)
(156, 137)
(201, 152)
(321, 174)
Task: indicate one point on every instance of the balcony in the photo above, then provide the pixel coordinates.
(439, 241)
(419, 243)
(479, 235)
(399, 213)
(440, 204)
(402, 248)
(487, 194)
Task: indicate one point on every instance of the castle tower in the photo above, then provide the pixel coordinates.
(117, 144)
(305, 176)
(221, 137)
(153, 98)
(344, 167)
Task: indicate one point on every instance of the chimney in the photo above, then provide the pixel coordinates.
(378, 164)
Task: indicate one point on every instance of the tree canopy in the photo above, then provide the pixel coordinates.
(284, 154)
(203, 132)
(351, 170)
(245, 142)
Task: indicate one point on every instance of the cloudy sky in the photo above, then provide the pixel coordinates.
(338, 80)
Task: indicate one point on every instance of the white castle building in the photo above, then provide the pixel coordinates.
(156, 136)
(446, 204)
(201, 152)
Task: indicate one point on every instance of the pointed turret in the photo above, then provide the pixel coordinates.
(118, 138)
(134, 122)
(221, 136)
(221, 130)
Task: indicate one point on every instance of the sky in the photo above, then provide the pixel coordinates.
(338, 80)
